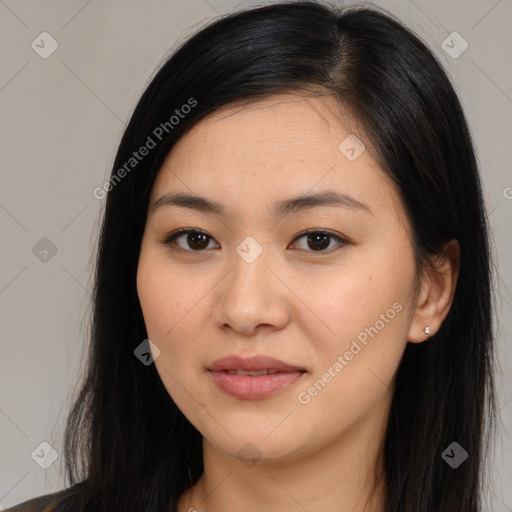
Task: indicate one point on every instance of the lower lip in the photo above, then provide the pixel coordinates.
(249, 387)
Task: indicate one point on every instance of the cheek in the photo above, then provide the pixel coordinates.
(368, 304)
(163, 298)
(166, 304)
(367, 312)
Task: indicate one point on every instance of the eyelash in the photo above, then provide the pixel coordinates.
(169, 239)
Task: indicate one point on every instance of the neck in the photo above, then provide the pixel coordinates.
(347, 475)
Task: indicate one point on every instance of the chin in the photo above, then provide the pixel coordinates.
(251, 443)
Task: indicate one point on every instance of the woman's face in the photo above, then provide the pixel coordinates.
(335, 312)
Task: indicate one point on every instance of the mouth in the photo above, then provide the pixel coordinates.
(254, 373)
(255, 365)
(253, 378)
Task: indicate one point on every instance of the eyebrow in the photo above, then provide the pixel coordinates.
(281, 208)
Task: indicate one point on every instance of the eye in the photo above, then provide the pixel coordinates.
(195, 239)
(320, 240)
(198, 241)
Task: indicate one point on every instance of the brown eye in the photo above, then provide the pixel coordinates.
(194, 240)
(318, 241)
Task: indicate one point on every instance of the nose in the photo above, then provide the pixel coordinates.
(252, 295)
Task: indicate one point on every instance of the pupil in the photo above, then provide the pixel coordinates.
(316, 240)
(193, 244)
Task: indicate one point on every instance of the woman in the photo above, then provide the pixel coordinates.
(292, 305)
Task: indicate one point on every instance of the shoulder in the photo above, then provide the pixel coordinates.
(60, 501)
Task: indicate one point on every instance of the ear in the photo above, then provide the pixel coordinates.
(436, 293)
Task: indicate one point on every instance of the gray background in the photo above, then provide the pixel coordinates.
(61, 120)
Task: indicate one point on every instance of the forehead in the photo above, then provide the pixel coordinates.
(272, 149)
(278, 125)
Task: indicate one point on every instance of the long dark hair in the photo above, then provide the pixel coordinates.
(126, 440)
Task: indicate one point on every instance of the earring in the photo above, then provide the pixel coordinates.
(427, 330)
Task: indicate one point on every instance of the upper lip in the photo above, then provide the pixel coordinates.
(254, 363)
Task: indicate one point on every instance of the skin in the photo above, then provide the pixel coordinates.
(301, 306)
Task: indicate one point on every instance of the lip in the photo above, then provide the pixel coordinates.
(254, 363)
(249, 387)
